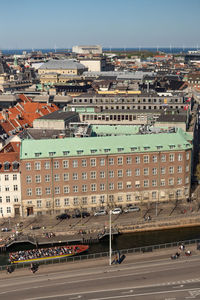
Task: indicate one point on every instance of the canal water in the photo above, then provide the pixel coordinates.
(130, 240)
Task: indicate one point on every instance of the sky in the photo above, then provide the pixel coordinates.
(26, 24)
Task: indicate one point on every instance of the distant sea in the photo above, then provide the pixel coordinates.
(164, 50)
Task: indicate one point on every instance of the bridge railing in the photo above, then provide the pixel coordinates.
(144, 249)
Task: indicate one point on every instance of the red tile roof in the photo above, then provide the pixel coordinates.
(24, 113)
(10, 157)
(11, 147)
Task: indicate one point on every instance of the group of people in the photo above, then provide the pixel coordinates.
(49, 235)
(41, 253)
(181, 248)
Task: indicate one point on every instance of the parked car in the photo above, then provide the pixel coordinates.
(78, 214)
(131, 209)
(35, 227)
(101, 212)
(5, 229)
(63, 216)
(85, 214)
(116, 211)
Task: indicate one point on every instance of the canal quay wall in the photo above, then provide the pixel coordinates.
(152, 225)
(89, 235)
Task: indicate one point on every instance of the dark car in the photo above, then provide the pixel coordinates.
(78, 214)
(63, 216)
(35, 227)
(85, 214)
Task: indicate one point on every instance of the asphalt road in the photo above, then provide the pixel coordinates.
(139, 277)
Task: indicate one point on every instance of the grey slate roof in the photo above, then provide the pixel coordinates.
(59, 115)
(64, 64)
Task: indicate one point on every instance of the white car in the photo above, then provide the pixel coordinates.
(131, 209)
(101, 212)
(116, 211)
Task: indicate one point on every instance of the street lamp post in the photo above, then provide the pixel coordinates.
(110, 238)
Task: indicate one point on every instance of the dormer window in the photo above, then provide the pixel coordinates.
(6, 166)
(146, 147)
(38, 154)
(52, 153)
(133, 148)
(159, 147)
(66, 152)
(93, 150)
(79, 151)
(106, 150)
(15, 165)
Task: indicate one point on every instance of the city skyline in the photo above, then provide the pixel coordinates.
(46, 24)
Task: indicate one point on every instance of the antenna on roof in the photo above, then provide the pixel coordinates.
(55, 48)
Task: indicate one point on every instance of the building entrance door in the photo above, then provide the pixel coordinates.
(17, 212)
(29, 211)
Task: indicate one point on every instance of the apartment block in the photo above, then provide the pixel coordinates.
(93, 172)
(10, 185)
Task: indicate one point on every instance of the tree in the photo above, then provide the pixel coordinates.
(197, 172)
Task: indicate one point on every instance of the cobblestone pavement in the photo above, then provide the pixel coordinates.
(160, 215)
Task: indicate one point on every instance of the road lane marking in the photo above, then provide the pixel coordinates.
(94, 271)
(70, 282)
(112, 297)
(128, 292)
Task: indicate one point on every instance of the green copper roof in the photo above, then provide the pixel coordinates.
(114, 129)
(105, 145)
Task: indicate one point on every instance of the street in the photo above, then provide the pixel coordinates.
(38, 225)
(142, 277)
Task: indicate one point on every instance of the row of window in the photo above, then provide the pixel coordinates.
(102, 186)
(102, 174)
(8, 210)
(8, 199)
(8, 177)
(76, 201)
(8, 188)
(102, 161)
(126, 100)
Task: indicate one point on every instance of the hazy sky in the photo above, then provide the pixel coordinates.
(110, 23)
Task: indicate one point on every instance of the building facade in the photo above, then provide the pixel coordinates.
(89, 173)
(10, 185)
(88, 49)
(64, 67)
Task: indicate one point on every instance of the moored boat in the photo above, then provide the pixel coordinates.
(41, 254)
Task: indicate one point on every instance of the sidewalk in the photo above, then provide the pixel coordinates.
(102, 262)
